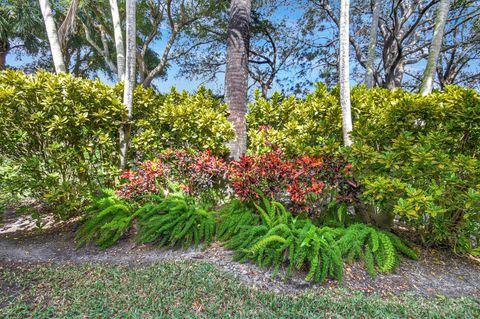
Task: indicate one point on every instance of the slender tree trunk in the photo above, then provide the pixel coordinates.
(369, 81)
(129, 84)
(119, 45)
(4, 47)
(344, 71)
(236, 76)
(52, 36)
(3, 60)
(265, 88)
(435, 47)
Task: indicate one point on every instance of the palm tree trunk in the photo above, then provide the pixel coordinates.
(3, 60)
(119, 45)
(52, 36)
(344, 70)
(435, 47)
(369, 81)
(129, 80)
(236, 76)
(4, 47)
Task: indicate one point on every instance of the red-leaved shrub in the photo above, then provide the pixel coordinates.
(304, 184)
(148, 177)
(197, 173)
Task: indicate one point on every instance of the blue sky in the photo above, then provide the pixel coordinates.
(174, 78)
(291, 13)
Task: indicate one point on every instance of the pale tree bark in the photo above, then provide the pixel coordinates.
(344, 71)
(52, 36)
(119, 45)
(236, 75)
(104, 51)
(369, 80)
(69, 23)
(435, 47)
(131, 38)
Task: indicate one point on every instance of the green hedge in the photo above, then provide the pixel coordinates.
(415, 157)
(298, 126)
(59, 134)
(179, 120)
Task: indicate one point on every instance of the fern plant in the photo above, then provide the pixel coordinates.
(272, 212)
(234, 217)
(373, 246)
(175, 221)
(108, 218)
(281, 239)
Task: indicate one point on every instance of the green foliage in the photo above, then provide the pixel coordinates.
(371, 245)
(108, 218)
(179, 120)
(270, 237)
(418, 158)
(272, 212)
(59, 134)
(234, 217)
(298, 243)
(414, 156)
(176, 221)
(308, 126)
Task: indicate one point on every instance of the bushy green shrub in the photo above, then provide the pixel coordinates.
(60, 134)
(107, 219)
(415, 157)
(179, 121)
(308, 126)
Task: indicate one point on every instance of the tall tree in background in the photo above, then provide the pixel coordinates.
(344, 71)
(21, 29)
(405, 30)
(131, 39)
(372, 43)
(434, 51)
(52, 36)
(236, 75)
(119, 45)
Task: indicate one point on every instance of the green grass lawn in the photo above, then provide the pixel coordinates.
(191, 290)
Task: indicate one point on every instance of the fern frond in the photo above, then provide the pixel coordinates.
(108, 218)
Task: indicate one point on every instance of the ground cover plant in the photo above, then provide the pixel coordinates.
(176, 220)
(108, 218)
(281, 239)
